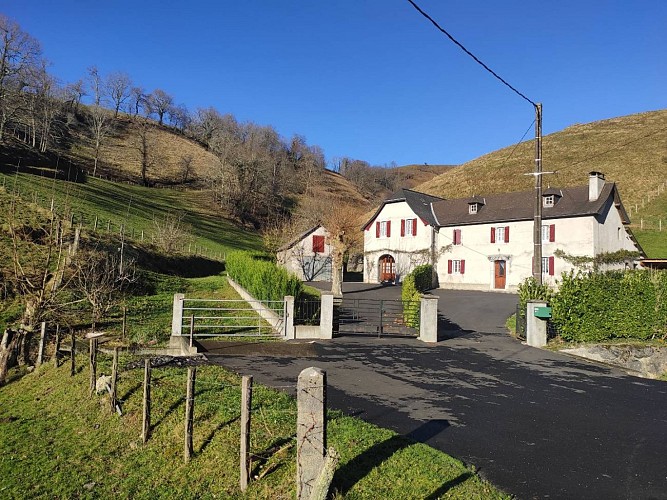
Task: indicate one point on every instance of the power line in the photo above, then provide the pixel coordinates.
(477, 60)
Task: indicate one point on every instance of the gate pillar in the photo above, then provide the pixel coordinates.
(428, 318)
(326, 316)
(288, 318)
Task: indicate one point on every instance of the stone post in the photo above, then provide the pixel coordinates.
(326, 316)
(428, 319)
(290, 333)
(536, 328)
(311, 429)
(177, 314)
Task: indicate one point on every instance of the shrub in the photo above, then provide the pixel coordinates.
(410, 297)
(531, 290)
(263, 279)
(423, 276)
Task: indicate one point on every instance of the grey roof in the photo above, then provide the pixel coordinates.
(420, 203)
(296, 240)
(509, 207)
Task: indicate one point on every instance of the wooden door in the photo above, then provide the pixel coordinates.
(500, 270)
(387, 268)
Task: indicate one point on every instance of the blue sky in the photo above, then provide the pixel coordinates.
(373, 79)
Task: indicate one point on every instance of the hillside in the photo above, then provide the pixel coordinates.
(631, 151)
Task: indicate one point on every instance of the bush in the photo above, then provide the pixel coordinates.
(410, 297)
(423, 276)
(263, 279)
(531, 290)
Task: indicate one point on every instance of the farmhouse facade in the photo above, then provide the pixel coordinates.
(486, 243)
(308, 255)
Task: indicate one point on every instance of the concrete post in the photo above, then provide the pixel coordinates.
(311, 429)
(177, 314)
(326, 316)
(428, 318)
(536, 328)
(290, 333)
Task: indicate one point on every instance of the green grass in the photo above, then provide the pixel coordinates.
(654, 243)
(135, 207)
(57, 441)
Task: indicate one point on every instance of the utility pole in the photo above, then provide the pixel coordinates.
(537, 224)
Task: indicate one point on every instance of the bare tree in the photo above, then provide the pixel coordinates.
(179, 117)
(185, 163)
(99, 126)
(143, 143)
(161, 102)
(96, 85)
(138, 100)
(171, 232)
(74, 93)
(119, 87)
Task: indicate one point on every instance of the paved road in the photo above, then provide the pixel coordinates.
(535, 423)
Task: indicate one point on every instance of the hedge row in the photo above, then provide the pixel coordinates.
(263, 279)
(414, 284)
(594, 307)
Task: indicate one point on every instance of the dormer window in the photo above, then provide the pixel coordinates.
(472, 208)
(475, 204)
(549, 200)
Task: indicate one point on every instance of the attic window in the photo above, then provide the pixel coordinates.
(472, 208)
(549, 200)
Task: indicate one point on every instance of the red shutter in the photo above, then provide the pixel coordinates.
(552, 233)
(493, 235)
(377, 229)
(388, 228)
(463, 266)
(454, 238)
(318, 244)
(414, 227)
(507, 234)
(449, 267)
(402, 227)
(551, 266)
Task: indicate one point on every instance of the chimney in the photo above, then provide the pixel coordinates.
(595, 185)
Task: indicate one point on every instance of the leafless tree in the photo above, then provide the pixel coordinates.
(179, 116)
(99, 126)
(143, 143)
(96, 85)
(171, 232)
(138, 100)
(74, 93)
(185, 163)
(160, 102)
(119, 86)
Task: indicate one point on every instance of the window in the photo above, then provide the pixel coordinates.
(408, 227)
(549, 200)
(383, 229)
(472, 208)
(548, 265)
(318, 244)
(456, 237)
(456, 266)
(500, 234)
(548, 233)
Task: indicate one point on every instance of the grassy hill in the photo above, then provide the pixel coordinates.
(629, 150)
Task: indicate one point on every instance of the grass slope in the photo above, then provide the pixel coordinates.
(57, 441)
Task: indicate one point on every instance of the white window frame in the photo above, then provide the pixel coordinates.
(545, 266)
(409, 224)
(456, 266)
(545, 233)
(472, 208)
(383, 228)
(549, 200)
(500, 231)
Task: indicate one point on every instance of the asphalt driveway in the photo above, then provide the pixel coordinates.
(535, 423)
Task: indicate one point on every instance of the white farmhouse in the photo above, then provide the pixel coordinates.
(486, 243)
(308, 256)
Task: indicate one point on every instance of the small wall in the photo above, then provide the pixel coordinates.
(267, 314)
(645, 361)
(307, 332)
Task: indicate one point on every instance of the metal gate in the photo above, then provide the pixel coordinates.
(376, 317)
(232, 318)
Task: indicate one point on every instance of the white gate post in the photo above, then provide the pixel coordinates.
(428, 318)
(536, 328)
(177, 314)
(326, 315)
(290, 334)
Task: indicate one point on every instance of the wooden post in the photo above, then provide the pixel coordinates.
(56, 351)
(124, 331)
(189, 411)
(246, 404)
(95, 224)
(146, 421)
(192, 329)
(109, 226)
(92, 357)
(114, 379)
(72, 370)
(42, 342)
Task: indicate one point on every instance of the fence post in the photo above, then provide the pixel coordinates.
(189, 411)
(326, 315)
(124, 331)
(192, 330)
(177, 314)
(311, 431)
(42, 341)
(93, 364)
(114, 379)
(56, 352)
(246, 404)
(428, 318)
(146, 420)
(72, 351)
(290, 333)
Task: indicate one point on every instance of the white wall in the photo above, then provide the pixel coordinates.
(408, 251)
(294, 257)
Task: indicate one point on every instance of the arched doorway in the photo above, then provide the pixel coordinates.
(387, 268)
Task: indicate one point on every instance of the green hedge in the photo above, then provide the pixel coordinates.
(263, 279)
(613, 305)
(414, 284)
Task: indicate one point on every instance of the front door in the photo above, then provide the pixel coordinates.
(387, 268)
(500, 270)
